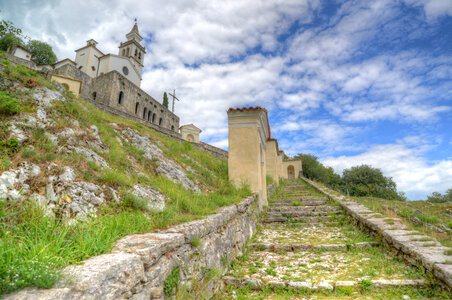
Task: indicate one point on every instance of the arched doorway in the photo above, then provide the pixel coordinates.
(137, 107)
(290, 172)
(190, 138)
(145, 110)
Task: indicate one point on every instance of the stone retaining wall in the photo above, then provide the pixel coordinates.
(417, 249)
(139, 264)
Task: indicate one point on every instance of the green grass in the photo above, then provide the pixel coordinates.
(35, 247)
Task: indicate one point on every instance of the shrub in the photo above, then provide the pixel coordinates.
(134, 201)
(11, 145)
(195, 242)
(116, 178)
(171, 282)
(28, 153)
(8, 105)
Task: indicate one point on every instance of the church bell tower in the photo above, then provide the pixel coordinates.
(132, 49)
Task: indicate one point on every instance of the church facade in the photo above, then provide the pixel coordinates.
(112, 82)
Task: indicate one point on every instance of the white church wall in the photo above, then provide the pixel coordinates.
(118, 63)
(21, 53)
(81, 59)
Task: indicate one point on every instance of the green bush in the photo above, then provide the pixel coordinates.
(116, 178)
(11, 145)
(8, 105)
(171, 282)
(133, 201)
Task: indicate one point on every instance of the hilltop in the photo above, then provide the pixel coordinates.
(74, 179)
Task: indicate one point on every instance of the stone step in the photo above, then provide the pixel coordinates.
(303, 213)
(328, 285)
(298, 199)
(309, 247)
(302, 209)
(308, 224)
(294, 188)
(298, 202)
(307, 220)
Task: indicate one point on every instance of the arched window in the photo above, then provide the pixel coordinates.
(172, 127)
(145, 110)
(121, 98)
(160, 121)
(290, 172)
(94, 95)
(190, 138)
(139, 55)
(137, 106)
(149, 115)
(136, 52)
(123, 52)
(127, 51)
(153, 118)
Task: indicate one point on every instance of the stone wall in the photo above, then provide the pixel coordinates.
(107, 89)
(139, 264)
(217, 152)
(20, 61)
(429, 255)
(71, 71)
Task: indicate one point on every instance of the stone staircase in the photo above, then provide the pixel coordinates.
(307, 246)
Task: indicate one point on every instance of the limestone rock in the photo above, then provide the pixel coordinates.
(17, 133)
(107, 276)
(12, 182)
(166, 167)
(91, 156)
(155, 200)
(45, 96)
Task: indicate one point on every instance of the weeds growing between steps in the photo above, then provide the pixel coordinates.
(328, 258)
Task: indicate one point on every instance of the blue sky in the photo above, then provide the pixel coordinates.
(352, 82)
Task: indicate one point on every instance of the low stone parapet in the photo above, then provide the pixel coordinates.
(417, 249)
(139, 264)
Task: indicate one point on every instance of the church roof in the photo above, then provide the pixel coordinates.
(135, 30)
(192, 126)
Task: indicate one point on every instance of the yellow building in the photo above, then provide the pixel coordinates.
(292, 168)
(190, 133)
(249, 132)
(69, 83)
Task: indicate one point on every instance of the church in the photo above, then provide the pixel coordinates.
(128, 62)
(112, 82)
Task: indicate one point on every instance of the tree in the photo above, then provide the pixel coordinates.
(7, 27)
(438, 198)
(165, 100)
(367, 181)
(9, 35)
(9, 40)
(42, 52)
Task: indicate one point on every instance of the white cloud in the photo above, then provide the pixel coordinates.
(412, 172)
(434, 8)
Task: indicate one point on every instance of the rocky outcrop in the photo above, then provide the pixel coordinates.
(415, 248)
(140, 264)
(154, 200)
(166, 167)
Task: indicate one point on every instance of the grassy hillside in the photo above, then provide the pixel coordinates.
(36, 241)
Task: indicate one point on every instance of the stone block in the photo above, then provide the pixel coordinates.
(444, 273)
(150, 246)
